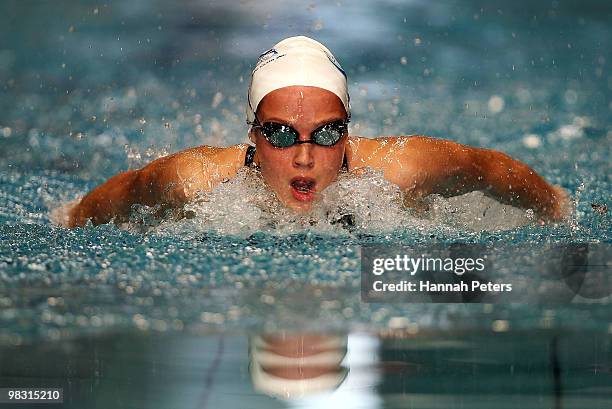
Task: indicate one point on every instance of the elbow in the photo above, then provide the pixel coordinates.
(478, 168)
(467, 170)
(108, 201)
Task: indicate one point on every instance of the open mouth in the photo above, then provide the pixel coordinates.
(303, 188)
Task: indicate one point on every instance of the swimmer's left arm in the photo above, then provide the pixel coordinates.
(428, 165)
(513, 182)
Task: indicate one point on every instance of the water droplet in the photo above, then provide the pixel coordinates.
(496, 104)
(500, 326)
(217, 99)
(570, 96)
(532, 141)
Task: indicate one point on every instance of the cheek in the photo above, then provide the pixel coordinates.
(331, 161)
(274, 164)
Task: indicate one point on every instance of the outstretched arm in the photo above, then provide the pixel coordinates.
(170, 181)
(513, 182)
(422, 166)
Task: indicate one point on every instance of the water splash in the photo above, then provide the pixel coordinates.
(354, 203)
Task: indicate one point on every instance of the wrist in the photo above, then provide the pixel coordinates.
(561, 208)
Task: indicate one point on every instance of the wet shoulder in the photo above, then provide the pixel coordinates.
(200, 168)
(376, 152)
(214, 163)
(226, 156)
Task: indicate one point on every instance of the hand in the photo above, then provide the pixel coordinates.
(563, 208)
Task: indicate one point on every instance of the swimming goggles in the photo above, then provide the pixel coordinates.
(284, 136)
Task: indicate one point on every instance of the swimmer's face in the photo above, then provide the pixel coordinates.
(299, 173)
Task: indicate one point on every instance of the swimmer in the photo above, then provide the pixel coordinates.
(298, 111)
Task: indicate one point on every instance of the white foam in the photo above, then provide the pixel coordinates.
(475, 211)
(244, 205)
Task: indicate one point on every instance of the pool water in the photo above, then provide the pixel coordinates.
(432, 370)
(148, 305)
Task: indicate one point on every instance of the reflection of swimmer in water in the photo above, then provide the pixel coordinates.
(298, 111)
(293, 366)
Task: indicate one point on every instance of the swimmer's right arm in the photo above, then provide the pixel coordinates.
(421, 166)
(169, 181)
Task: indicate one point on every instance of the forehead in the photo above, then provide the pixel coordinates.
(301, 101)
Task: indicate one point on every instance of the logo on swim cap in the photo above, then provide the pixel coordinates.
(267, 57)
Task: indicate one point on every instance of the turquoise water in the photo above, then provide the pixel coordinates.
(105, 87)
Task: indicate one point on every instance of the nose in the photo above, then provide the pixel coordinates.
(303, 157)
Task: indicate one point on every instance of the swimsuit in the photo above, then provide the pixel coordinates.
(250, 154)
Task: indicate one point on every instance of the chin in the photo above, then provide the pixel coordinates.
(297, 206)
(300, 207)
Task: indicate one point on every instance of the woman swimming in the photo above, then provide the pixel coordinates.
(298, 109)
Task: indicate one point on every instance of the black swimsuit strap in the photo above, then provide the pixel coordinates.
(345, 163)
(250, 154)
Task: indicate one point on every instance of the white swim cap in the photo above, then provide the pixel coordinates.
(296, 61)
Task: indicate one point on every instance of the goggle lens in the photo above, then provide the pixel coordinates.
(284, 136)
(280, 136)
(329, 135)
